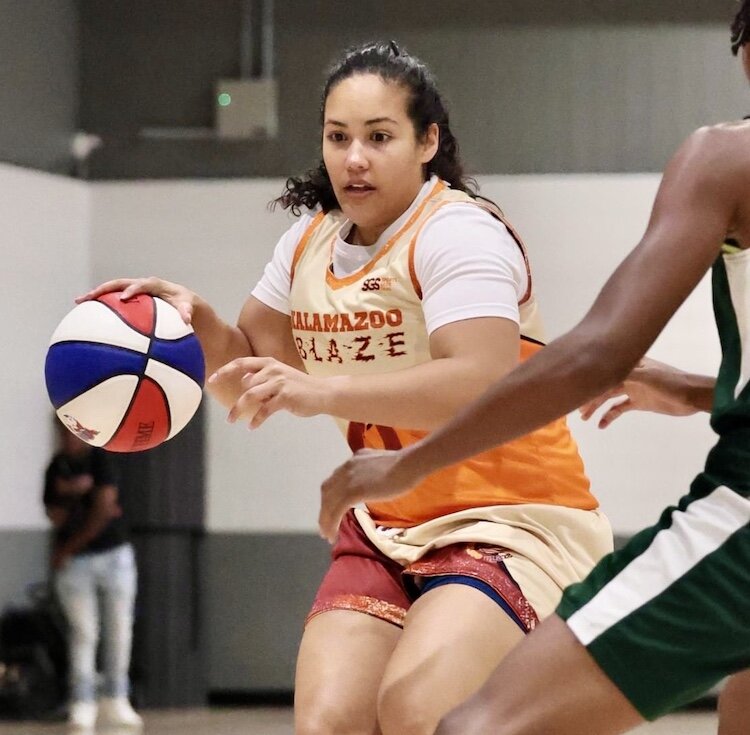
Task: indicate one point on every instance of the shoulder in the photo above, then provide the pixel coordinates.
(468, 220)
(716, 150)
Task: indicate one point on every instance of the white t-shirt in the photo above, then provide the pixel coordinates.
(465, 260)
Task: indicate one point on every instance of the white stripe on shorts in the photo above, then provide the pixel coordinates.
(696, 532)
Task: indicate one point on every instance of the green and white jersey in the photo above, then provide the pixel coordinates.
(728, 463)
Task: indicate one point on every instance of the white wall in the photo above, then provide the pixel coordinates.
(216, 237)
(578, 228)
(45, 263)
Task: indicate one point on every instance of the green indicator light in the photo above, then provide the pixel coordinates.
(225, 99)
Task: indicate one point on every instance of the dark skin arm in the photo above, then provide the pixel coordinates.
(104, 509)
(655, 387)
(699, 202)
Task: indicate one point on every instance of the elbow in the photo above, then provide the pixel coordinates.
(601, 362)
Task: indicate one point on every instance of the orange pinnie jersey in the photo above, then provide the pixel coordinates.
(371, 322)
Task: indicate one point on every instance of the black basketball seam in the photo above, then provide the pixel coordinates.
(130, 408)
(109, 377)
(150, 356)
(125, 321)
(93, 385)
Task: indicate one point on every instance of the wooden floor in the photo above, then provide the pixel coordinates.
(278, 721)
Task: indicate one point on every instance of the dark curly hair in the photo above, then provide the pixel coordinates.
(426, 106)
(741, 27)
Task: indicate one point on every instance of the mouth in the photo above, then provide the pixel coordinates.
(359, 189)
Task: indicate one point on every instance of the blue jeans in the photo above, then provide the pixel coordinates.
(90, 584)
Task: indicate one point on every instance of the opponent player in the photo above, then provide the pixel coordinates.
(393, 306)
(661, 621)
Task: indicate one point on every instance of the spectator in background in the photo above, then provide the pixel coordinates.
(94, 572)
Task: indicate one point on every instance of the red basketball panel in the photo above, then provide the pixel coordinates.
(147, 422)
(138, 312)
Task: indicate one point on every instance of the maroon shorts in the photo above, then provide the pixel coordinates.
(363, 579)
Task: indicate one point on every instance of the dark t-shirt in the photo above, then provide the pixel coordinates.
(94, 463)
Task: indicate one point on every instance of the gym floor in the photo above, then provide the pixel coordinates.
(278, 721)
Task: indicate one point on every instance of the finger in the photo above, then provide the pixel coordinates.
(267, 409)
(244, 407)
(186, 311)
(117, 284)
(329, 521)
(253, 379)
(231, 369)
(614, 412)
(590, 407)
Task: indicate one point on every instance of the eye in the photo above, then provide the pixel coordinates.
(336, 136)
(380, 137)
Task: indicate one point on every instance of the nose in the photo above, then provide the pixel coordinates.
(356, 160)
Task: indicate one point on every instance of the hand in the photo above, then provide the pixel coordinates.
(651, 386)
(269, 386)
(59, 558)
(82, 483)
(371, 474)
(180, 297)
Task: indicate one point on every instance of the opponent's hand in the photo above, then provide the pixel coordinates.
(651, 386)
(180, 297)
(270, 386)
(371, 474)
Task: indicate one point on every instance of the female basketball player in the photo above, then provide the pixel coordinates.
(395, 304)
(662, 620)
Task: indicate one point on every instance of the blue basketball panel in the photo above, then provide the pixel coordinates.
(72, 368)
(185, 355)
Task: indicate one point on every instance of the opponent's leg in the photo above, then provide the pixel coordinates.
(734, 705)
(339, 668)
(547, 684)
(454, 636)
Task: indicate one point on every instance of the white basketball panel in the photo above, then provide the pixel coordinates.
(100, 409)
(169, 324)
(92, 321)
(183, 394)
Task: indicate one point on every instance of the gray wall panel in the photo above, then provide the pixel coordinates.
(535, 86)
(24, 555)
(257, 592)
(39, 82)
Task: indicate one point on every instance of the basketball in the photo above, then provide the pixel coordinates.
(124, 375)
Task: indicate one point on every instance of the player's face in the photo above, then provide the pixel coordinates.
(372, 154)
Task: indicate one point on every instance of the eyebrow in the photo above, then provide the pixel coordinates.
(373, 121)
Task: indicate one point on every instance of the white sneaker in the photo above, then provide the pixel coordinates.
(118, 711)
(82, 715)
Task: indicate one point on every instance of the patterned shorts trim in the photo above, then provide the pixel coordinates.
(363, 579)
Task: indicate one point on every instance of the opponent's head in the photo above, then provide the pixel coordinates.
(384, 123)
(741, 27)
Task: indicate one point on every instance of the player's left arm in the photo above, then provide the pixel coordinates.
(467, 356)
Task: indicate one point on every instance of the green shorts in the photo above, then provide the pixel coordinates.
(668, 616)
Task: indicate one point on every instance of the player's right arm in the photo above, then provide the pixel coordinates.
(261, 330)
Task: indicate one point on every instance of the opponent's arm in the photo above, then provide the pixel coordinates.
(655, 387)
(697, 204)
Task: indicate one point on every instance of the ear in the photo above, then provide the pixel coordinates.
(430, 143)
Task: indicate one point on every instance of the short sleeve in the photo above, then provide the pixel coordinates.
(275, 284)
(102, 468)
(468, 265)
